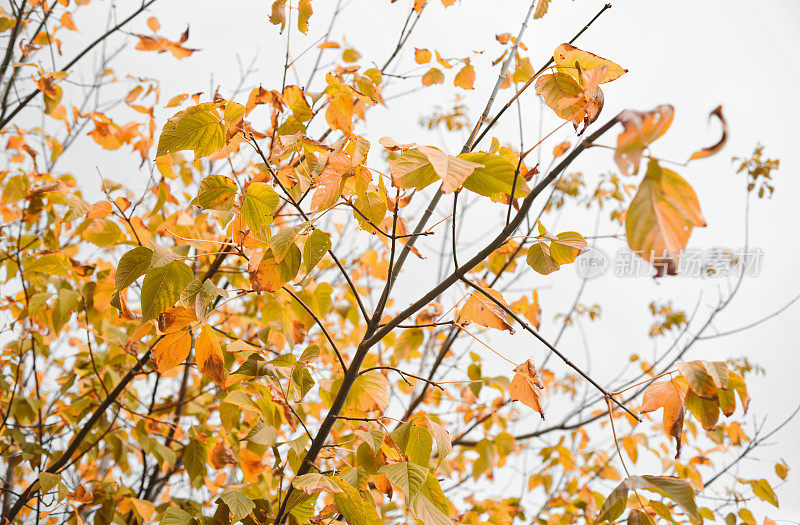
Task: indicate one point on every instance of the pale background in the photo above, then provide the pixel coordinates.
(692, 54)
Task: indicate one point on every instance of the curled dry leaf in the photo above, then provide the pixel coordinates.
(222, 455)
(481, 310)
(642, 128)
(527, 385)
(392, 145)
(666, 395)
(714, 148)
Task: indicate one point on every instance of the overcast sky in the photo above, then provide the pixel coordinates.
(692, 54)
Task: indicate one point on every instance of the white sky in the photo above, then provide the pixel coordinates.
(691, 54)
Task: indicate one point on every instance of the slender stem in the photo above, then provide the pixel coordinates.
(531, 80)
(322, 327)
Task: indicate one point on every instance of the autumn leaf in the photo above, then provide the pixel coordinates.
(199, 128)
(171, 350)
(452, 170)
(422, 56)
(664, 394)
(716, 147)
(413, 169)
(221, 455)
(315, 483)
(541, 9)
(269, 275)
(573, 61)
(526, 386)
(433, 76)
(465, 78)
(176, 319)
(661, 217)
(540, 259)
(481, 310)
(642, 128)
(208, 355)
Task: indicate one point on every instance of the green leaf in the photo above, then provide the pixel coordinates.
(540, 260)
(194, 459)
(176, 516)
(63, 307)
(412, 169)
(373, 439)
(282, 242)
(676, 489)
(216, 192)
(241, 400)
(639, 517)
(566, 247)
(443, 442)
(699, 380)
(132, 265)
(239, 505)
(372, 205)
(102, 232)
(315, 483)
(406, 476)
(315, 248)
(705, 410)
(452, 170)
(258, 204)
(353, 507)
(162, 288)
(262, 434)
(431, 506)
(48, 480)
(614, 505)
(495, 177)
(198, 128)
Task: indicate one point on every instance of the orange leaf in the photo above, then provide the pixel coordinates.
(664, 394)
(465, 78)
(526, 386)
(642, 128)
(711, 150)
(172, 350)
(209, 355)
(175, 319)
(481, 310)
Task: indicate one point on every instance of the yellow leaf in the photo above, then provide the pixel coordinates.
(172, 350)
(661, 217)
(269, 275)
(209, 355)
(574, 62)
(570, 100)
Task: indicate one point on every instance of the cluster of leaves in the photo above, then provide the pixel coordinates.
(201, 353)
